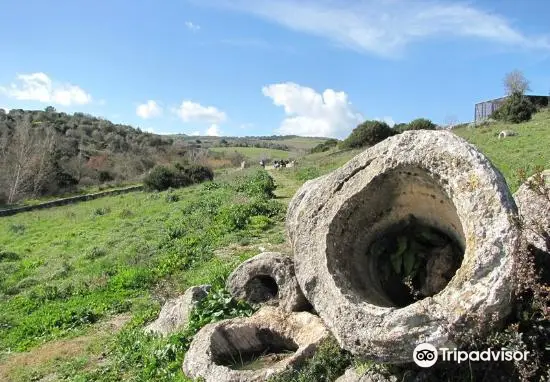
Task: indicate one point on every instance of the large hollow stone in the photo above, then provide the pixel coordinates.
(434, 179)
(254, 348)
(533, 201)
(269, 279)
(174, 314)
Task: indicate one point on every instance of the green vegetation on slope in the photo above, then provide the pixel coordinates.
(64, 269)
(528, 150)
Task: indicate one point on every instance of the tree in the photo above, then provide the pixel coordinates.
(515, 82)
(50, 109)
(515, 109)
(26, 160)
(421, 124)
(368, 133)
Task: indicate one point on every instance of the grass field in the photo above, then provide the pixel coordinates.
(67, 271)
(79, 282)
(531, 148)
(254, 153)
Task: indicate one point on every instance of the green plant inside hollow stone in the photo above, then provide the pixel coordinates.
(414, 260)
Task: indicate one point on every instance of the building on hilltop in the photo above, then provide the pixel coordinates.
(483, 110)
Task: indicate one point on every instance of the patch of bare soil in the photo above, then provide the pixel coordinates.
(63, 349)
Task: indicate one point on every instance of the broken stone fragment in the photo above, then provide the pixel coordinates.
(174, 315)
(533, 201)
(254, 348)
(267, 278)
(445, 184)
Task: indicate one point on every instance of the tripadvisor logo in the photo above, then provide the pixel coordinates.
(426, 355)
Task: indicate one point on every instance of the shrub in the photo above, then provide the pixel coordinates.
(515, 109)
(259, 183)
(196, 173)
(105, 176)
(420, 124)
(368, 133)
(324, 146)
(328, 363)
(161, 177)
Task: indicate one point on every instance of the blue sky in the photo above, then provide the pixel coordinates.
(262, 67)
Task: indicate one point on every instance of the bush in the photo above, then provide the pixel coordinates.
(368, 133)
(161, 177)
(196, 173)
(324, 146)
(420, 124)
(515, 109)
(259, 183)
(105, 176)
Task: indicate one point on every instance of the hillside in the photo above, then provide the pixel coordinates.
(47, 153)
(527, 150)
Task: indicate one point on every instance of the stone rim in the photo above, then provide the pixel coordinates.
(387, 333)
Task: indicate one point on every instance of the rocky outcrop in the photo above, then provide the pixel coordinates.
(174, 314)
(267, 278)
(381, 290)
(253, 348)
(533, 201)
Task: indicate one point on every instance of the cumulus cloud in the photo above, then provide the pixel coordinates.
(386, 27)
(213, 131)
(39, 87)
(190, 111)
(192, 26)
(310, 113)
(149, 109)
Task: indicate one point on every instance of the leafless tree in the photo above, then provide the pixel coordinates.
(26, 160)
(515, 82)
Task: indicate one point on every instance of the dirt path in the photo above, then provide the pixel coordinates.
(287, 185)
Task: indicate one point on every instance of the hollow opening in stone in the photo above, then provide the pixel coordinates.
(249, 349)
(397, 241)
(261, 288)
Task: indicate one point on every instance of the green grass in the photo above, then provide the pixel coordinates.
(255, 153)
(526, 151)
(65, 270)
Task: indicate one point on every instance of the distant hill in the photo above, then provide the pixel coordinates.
(45, 152)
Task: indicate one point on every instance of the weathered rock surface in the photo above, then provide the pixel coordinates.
(352, 375)
(534, 207)
(253, 348)
(444, 182)
(267, 278)
(175, 312)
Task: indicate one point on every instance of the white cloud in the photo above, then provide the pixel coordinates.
(192, 27)
(191, 111)
(313, 114)
(39, 87)
(213, 131)
(149, 109)
(385, 27)
(5, 109)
